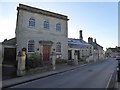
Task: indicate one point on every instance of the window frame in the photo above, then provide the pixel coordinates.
(32, 22)
(58, 47)
(58, 27)
(46, 24)
(33, 47)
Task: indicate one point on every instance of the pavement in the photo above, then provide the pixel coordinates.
(117, 84)
(37, 75)
(59, 69)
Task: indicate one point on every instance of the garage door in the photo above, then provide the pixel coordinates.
(9, 56)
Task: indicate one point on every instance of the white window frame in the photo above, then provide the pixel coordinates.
(31, 22)
(58, 27)
(46, 24)
(33, 49)
(58, 47)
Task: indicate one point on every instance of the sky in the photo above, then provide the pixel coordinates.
(96, 19)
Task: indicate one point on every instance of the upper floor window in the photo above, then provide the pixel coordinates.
(58, 27)
(58, 47)
(46, 24)
(31, 46)
(32, 22)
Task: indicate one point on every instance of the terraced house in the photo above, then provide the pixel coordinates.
(83, 49)
(41, 31)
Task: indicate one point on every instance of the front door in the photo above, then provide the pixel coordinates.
(69, 54)
(46, 52)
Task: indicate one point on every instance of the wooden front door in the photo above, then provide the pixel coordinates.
(46, 52)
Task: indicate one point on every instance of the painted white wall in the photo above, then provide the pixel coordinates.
(85, 51)
(98, 54)
(90, 58)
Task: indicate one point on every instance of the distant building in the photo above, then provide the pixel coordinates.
(98, 51)
(112, 52)
(79, 46)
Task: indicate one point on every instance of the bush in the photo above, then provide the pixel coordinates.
(34, 60)
(60, 61)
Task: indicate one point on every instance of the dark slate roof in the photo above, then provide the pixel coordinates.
(9, 42)
(118, 49)
(95, 45)
(115, 49)
(77, 43)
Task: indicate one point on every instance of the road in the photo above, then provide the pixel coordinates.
(95, 75)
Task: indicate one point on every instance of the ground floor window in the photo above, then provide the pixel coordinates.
(58, 47)
(31, 46)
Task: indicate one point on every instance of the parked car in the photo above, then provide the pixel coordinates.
(117, 57)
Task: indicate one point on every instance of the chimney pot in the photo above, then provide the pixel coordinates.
(90, 39)
(80, 37)
(95, 40)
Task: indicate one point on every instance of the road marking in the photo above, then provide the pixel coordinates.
(111, 76)
(109, 81)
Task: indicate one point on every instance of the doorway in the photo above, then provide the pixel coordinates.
(9, 56)
(78, 54)
(46, 52)
(69, 54)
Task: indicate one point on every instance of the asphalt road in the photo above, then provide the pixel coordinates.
(94, 75)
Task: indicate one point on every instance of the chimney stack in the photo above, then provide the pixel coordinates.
(95, 40)
(5, 39)
(90, 39)
(80, 37)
